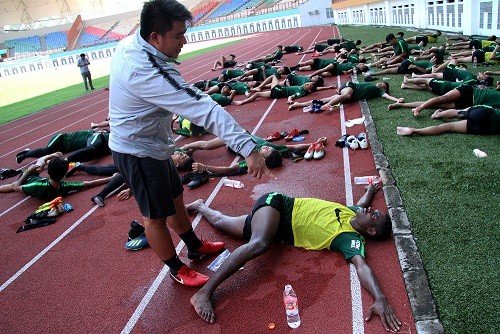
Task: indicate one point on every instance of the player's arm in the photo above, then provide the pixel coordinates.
(381, 305)
(215, 169)
(392, 98)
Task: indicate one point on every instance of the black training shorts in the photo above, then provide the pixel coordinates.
(466, 95)
(154, 183)
(480, 120)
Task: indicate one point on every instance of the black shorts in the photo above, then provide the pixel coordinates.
(479, 120)
(291, 48)
(475, 43)
(465, 99)
(154, 183)
(276, 201)
(229, 64)
(320, 47)
(332, 41)
(479, 55)
(277, 92)
(423, 39)
(403, 68)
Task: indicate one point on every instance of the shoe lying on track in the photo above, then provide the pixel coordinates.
(188, 277)
(5, 173)
(206, 248)
(73, 168)
(21, 155)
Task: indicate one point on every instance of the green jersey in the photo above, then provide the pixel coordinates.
(297, 80)
(486, 96)
(71, 141)
(348, 45)
(401, 47)
(262, 142)
(296, 91)
(231, 74)
(221, 99)
(363, 91)
(239, 87)
(425, 64)
(441, 87)
(451, 73)
(40, 187)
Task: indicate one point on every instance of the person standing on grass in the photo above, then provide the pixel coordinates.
(145, 91)
(83, 63)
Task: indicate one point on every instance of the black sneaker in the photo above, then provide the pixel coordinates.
(5, 173)
(199, 179)
(21, 155)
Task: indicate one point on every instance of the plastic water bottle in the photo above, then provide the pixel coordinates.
(478, 153)
(366, 179)
(233, 183)
(291, 307)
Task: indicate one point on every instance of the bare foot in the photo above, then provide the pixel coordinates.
(404, 86)
(212, 69)
(293, 106)
(255, 89)
(437, 114)
(93, 125)
(404, 131)
(394, 106)
(405, 78)
(194, 206)
(203, 307)
(416, 111)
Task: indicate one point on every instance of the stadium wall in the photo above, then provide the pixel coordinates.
(469, 17)
(285, 19)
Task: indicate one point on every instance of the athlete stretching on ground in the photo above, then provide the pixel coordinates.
(296, 221)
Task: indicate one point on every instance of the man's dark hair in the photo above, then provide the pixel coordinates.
(187, 165)
(488, 81)
(383, 229)
(280, 46)
(232, 55)
(400, 33)
(492, 38)
(358, 42)
(82, 55)
(274, 159)
(158, 16)
(57, 168)
(320, 82)
(386, 87)
(439, 58)
(286, 70)
(336, 48)
(389, 38)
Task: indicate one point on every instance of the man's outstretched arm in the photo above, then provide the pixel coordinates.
(380, 306)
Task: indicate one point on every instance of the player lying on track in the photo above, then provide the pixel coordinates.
(295, 221)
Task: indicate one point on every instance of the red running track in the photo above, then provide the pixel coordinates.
(76, 277)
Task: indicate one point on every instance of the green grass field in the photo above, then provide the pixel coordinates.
(450, 195)
(451, 198)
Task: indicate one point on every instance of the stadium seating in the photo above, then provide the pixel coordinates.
(56, 40)
(204, 8)
(23, 45)
(227, 8)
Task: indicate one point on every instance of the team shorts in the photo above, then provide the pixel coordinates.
(276, 201)
(423, 39)
(320, 47)
(277, 92)
(475, 43)
(403, 68)
(154, 183)
(479, 120)
(466, 95)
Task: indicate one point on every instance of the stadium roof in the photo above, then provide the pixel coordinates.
(27, 13)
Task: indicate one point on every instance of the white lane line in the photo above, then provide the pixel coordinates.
(52, 244)
(43, 252)
(14, 206)
(152, 289)
(356, 301)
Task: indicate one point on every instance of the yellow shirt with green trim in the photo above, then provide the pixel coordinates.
(316, 223)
